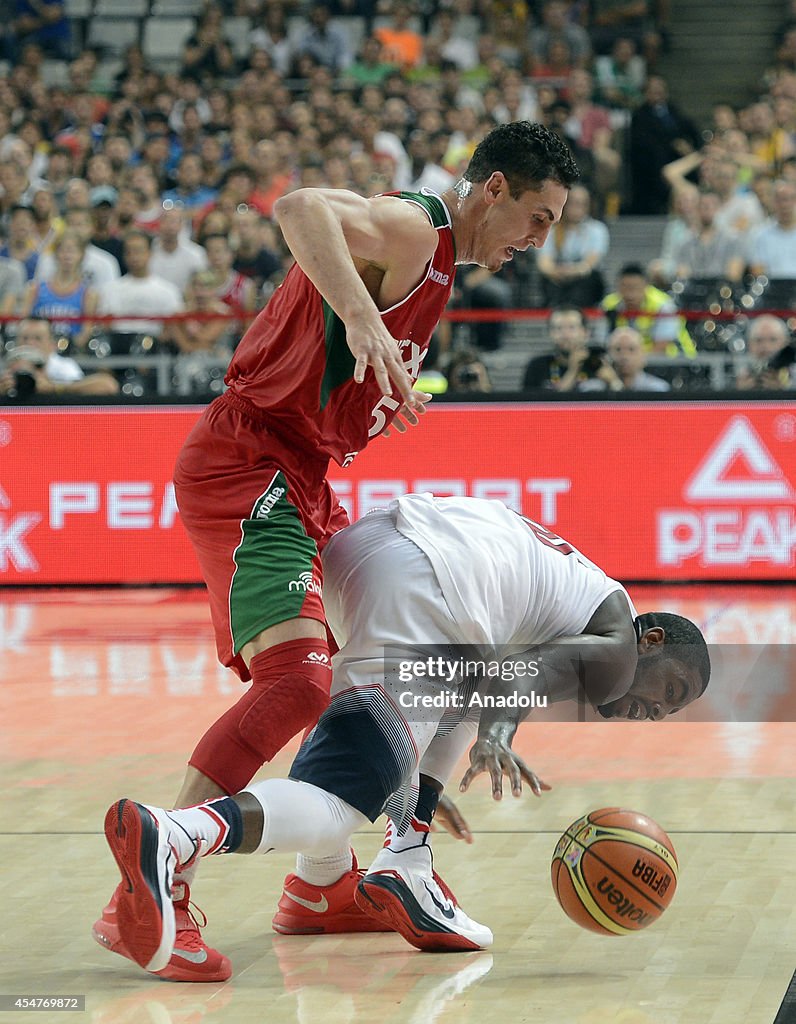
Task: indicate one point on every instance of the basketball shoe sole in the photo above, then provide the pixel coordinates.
(146, 859)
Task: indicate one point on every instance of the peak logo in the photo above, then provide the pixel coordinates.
(756, 523)
(14, 550)
(739, 447)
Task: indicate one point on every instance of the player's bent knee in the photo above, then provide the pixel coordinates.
(289, 690)
(277, 713)
(303, 817)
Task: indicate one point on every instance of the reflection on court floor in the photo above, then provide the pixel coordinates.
(104, 693)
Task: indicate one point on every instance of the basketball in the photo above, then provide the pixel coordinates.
(614, 871)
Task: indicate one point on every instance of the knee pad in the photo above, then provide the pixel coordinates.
(289, 690)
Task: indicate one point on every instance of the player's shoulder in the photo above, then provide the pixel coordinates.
(414, 212)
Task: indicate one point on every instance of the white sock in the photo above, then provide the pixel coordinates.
(324, 870)
(196, 832)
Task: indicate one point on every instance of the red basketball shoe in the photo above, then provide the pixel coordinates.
(306, 909)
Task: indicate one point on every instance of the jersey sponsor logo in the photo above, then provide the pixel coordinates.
(438, 277)
(306, 583)
(267, 503)
(756, 521)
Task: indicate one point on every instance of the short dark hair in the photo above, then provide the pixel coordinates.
(684, 641)
(528, 154)
(632, 270)
(584, 320)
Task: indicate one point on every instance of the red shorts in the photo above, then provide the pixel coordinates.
(258, 514)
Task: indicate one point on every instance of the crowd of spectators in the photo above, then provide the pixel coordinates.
(134, 188)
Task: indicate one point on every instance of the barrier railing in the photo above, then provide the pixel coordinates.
(151, 364)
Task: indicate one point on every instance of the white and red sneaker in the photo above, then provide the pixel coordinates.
(139, 839)
(306, 909)
(402, 891)
(191, 959)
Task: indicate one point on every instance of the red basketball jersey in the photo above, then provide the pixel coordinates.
(294, 365)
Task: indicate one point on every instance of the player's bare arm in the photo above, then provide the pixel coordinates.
(362, 255)
(597, 666)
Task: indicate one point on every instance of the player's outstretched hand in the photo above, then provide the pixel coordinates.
(498, 759)
(406, 417)
(383, 353)
(450, 818)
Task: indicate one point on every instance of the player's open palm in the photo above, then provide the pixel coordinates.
(383, 353)
(496, 758)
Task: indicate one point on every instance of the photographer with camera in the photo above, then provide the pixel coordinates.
(467, 374)
(34, 367)
(621, 366)
(560, 370)
(772, 362)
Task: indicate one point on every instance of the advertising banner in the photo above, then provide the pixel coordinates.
(649, 492)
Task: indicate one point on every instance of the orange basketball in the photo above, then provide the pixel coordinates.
(614, 871)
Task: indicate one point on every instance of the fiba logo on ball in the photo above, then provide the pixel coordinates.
(614, 871)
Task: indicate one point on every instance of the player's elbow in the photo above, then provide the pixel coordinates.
(297, 202)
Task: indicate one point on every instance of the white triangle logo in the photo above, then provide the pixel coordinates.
(767, 483)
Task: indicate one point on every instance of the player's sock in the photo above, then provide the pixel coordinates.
(213, 827)
(324, 870)
(296, 816)
(417, 834)
(290, 689)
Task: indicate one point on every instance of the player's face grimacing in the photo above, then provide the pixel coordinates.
(514, 225)
(661, 687)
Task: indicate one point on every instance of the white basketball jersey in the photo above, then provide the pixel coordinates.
(506, 579)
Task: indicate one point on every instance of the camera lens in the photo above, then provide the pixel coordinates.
(24, 384)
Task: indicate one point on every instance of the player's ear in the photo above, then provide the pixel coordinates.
(495, 186)
(651, 640)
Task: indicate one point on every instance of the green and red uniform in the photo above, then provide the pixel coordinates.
(251, 479)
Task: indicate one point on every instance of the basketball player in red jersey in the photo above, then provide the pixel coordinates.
(326, 366)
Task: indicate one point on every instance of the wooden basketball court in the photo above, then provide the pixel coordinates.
(104, 693)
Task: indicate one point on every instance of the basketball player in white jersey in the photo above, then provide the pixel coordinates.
(446, 580)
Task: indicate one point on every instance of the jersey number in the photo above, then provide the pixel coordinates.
(547, 537)
(379, 417)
